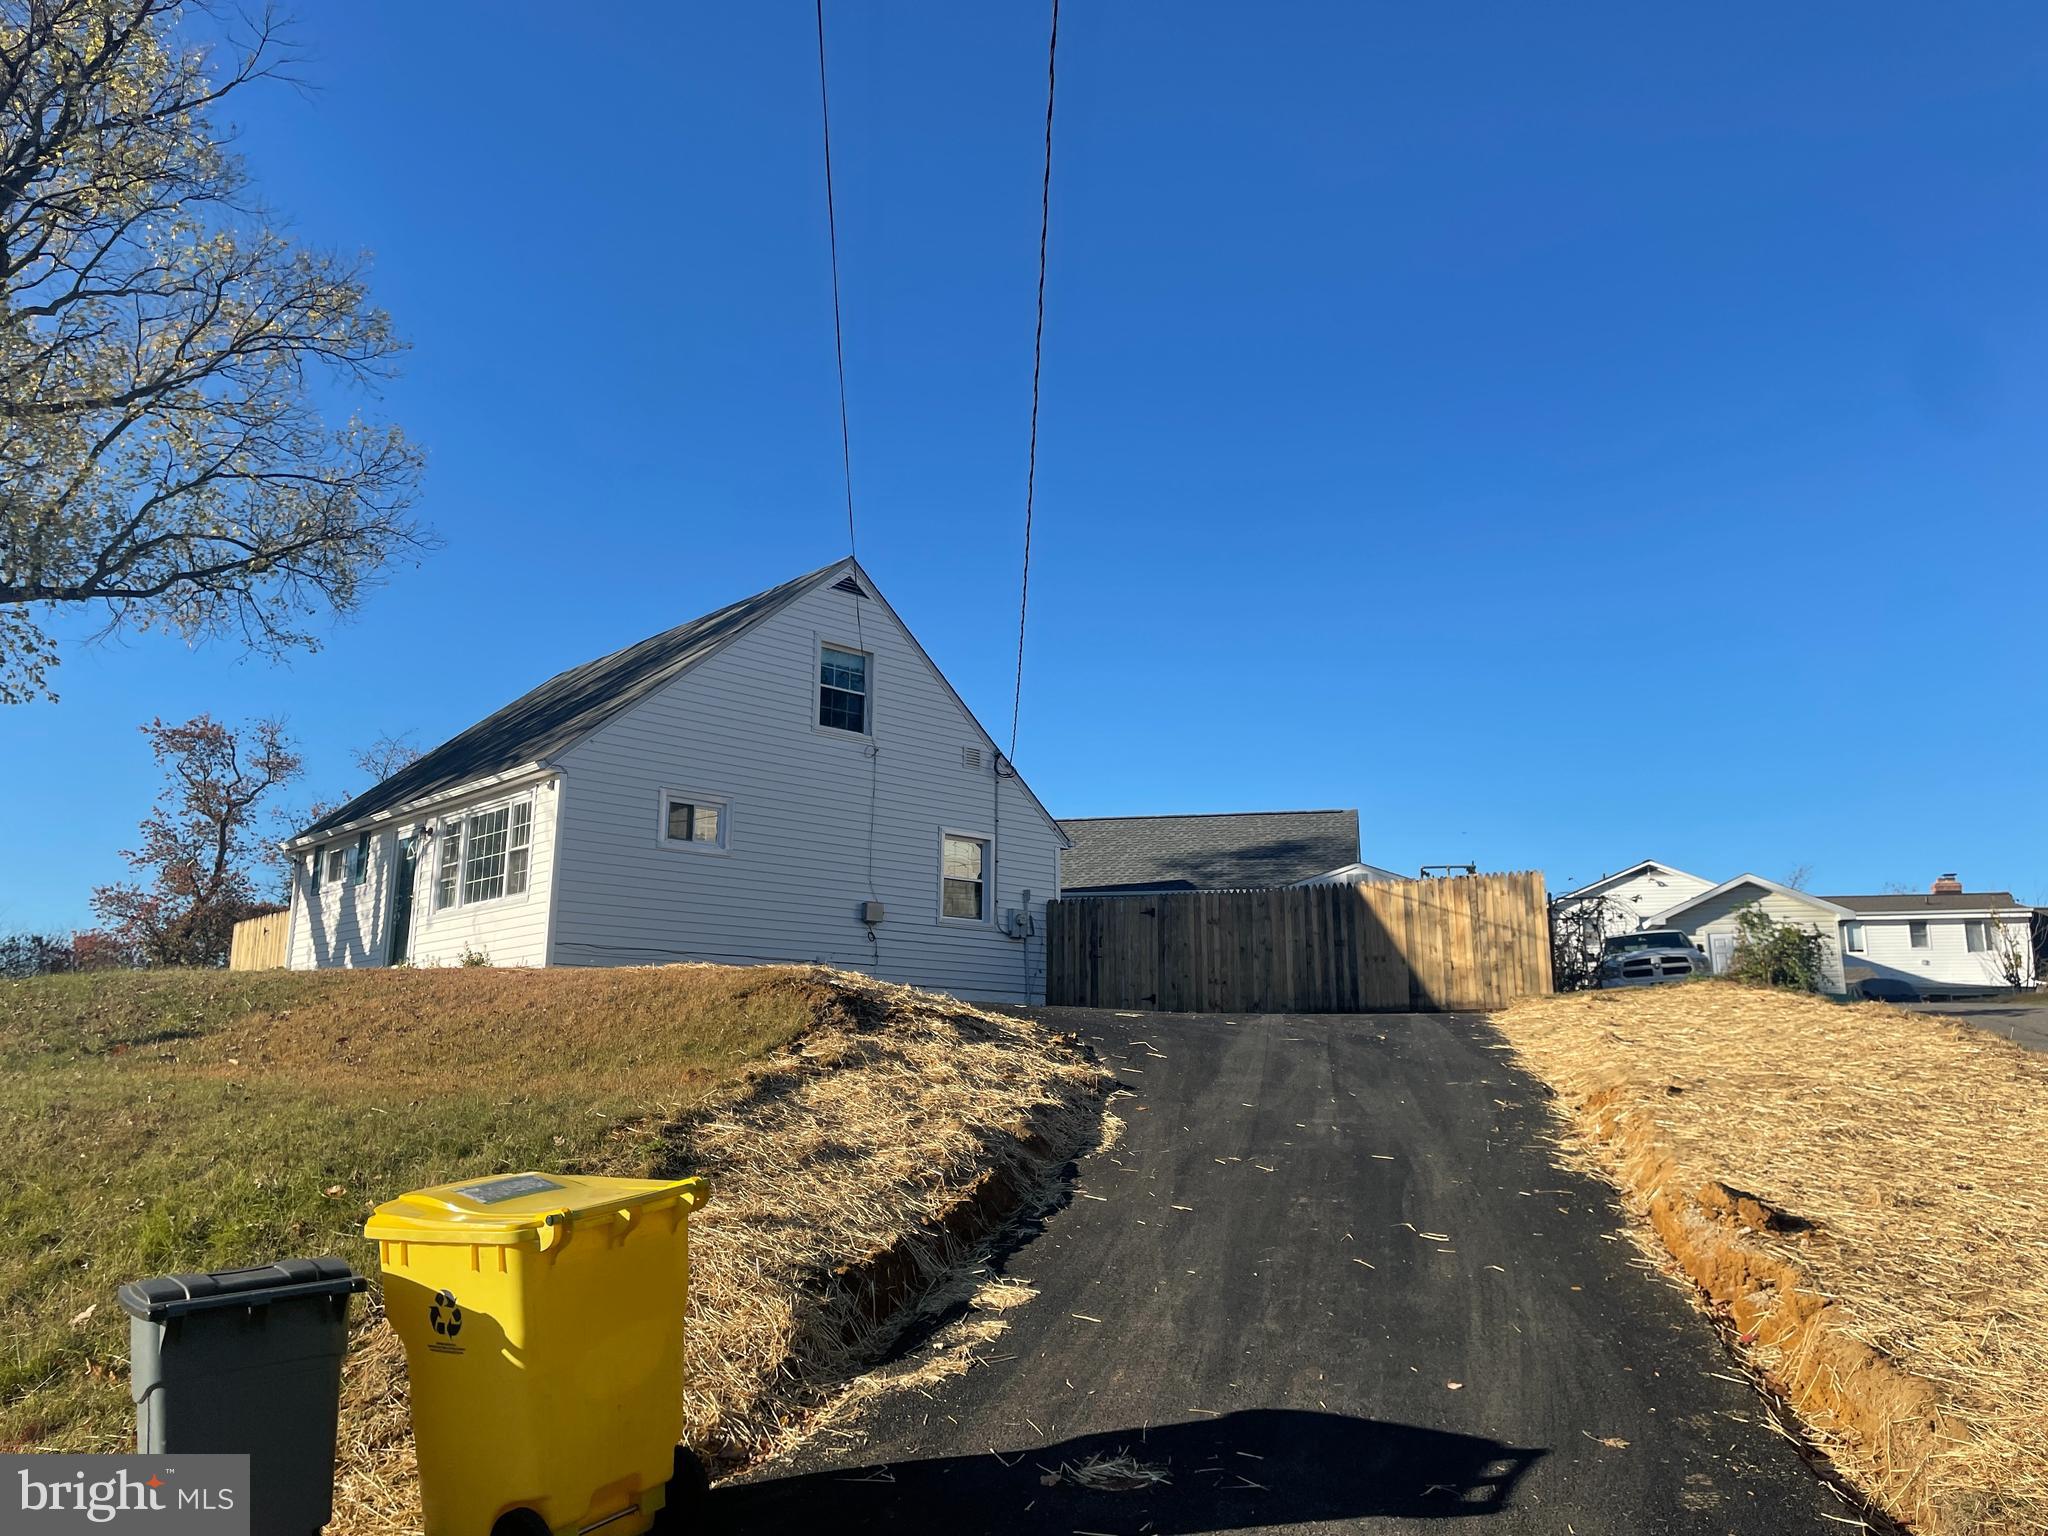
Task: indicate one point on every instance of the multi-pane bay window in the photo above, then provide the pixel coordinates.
(484, 855)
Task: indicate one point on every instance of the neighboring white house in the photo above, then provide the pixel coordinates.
(1630, 895)
(787, 779)
(1946, 940)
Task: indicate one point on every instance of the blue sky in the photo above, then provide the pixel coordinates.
(1566, 436)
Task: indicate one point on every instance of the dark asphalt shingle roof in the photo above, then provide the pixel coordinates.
(1205, 853)
(1926, 901)
(567, 706)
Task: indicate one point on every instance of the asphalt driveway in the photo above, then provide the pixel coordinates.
(1329, 1279)
(2022, 1019)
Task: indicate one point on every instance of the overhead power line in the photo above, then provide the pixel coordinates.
(838, 325)
(1052, 60)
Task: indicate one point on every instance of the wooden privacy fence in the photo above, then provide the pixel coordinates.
(258, 942)
(1469, 945)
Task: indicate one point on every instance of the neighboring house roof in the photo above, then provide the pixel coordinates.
(1923, 902)
(1624, 874)
(536, 726)
(1662, 919)
(1237, 851)
(1356, 874)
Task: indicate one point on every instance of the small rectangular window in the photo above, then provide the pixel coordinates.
(337, 864)
(483, 866)
(694, 821)
(842, 689)
(1852, 935)
(1977, 935)
(519, 851)
(1916, 935)
(963, 866)
(449, 865)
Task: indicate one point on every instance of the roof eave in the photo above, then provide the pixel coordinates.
(408, 808)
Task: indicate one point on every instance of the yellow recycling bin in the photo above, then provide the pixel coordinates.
(542, 1316)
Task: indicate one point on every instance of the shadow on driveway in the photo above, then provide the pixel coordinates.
(1238, 1471)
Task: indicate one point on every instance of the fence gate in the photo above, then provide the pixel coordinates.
(1470, 944)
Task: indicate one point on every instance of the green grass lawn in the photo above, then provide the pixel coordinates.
(183, 1120)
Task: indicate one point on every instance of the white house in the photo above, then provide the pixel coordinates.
(1946, 940)
(1630, 895)
(787, 779)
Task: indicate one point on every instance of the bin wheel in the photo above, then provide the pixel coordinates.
(689, 1494)
(520, 1522)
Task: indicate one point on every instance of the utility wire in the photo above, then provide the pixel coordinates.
(872, 750)
(838, 325)
(1052, 59)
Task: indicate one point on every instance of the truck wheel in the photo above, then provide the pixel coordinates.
(687, 1507)
(520, 1522)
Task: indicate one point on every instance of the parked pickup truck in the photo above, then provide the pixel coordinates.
(1646, 958)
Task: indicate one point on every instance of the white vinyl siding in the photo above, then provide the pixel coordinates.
(1635, 899)
(351, 925)
(1947, 959)
(791, 885)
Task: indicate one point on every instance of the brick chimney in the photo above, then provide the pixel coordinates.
(1948, 885)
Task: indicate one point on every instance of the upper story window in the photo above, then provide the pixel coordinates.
(337, 864)
(484, 855)
(963, 877)
(1916, 935)
(693, 821)
(843, 689)
(1852, 935)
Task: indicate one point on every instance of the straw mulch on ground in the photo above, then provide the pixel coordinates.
(1863, 1192)
(854, 1176)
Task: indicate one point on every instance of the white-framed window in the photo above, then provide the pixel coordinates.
(447, 862)
(845, 678)
(485, 854)
(698, 822)
(1852, 936)
(1977, 935)
(337, 864)
(963, 877)
(1916, 935)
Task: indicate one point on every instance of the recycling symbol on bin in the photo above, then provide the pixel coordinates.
(444, 1316)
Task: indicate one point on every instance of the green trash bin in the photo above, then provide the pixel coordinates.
(247, 1360)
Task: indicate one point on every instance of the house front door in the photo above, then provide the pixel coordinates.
(1721, 951)
(401, 901)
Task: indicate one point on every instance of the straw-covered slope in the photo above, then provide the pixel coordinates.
(1862, 1193)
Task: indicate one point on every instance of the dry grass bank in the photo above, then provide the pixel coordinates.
(861, 1139)
(1863, 1191)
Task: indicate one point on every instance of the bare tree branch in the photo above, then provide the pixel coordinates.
(161, 455)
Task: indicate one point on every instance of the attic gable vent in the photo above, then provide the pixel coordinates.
(970, 757)
(848, 584)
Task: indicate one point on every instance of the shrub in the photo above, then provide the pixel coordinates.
(1769, 953)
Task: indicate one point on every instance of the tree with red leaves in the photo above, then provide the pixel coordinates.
(199, 845)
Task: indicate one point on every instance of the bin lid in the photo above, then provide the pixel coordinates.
(516, 1207)
(163, 1297)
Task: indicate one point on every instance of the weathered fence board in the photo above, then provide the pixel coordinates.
(1464, 945)
(258, 943)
